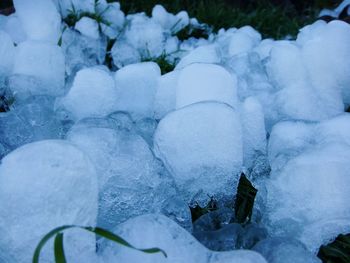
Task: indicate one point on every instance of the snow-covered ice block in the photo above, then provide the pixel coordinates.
(158, 231)
(124, 54)
(38, 69)
(88, 27)
(114, 17)
(309, 194)
(201, 145)
(278, 250)
(40, 19)
(7, 53)
(165, 99)
(137, 84)
(206, 82)
(202, 54)
(12, 26)
(81, 51)
(45, 185)
(168, 21)
(93, 94)
(145, 35)
(131, 181)
(327, 56)
(241, 42)
(253, 130)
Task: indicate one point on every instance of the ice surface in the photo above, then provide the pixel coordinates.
(159, 231)
(137, 84)
(29, 121)
(81, 51)
(38, 69)
(45, 185)
(145, 35)
(123, 54)
(40, 19)
(114, 18)
(88, 27)
(205, 82)
(282, 250)
(202, 54)
(244, 40)
(131, 181)
(201, 145)
(309, 168)
(12, 26)
(165, 99)
(93, 94)
(66, 6)
(7, 53)
(253, 130)
(170, 22)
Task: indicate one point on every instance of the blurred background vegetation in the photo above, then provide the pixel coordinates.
(272, 18)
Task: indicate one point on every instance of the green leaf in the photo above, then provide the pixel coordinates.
(337, 251)
(59, 250)
(244, 200)
(98, 231)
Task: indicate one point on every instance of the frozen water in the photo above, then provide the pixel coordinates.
(205, 82)
(40, 19)
(253, 130)
(7, 53)
(165, 99)
(201, 145)
(243, 40)
(13, 27)
(145, 35)
(81, 51)
(113, 17)
(223, 239)
(38, 69)
(93, 94)
(88, 27)
(51, 183)
(202, 54)
(67, 6)
(305, 181)
(131, 181)
(170, 22)
(213, 220)
(123, 54)
(180, 246)
(137, 84)
(283, 250)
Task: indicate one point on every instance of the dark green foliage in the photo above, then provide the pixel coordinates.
(196, 32)
(58, 244)
(271, 18)
(6, 102)
(197, 211)
(336, 252)
(244, 200)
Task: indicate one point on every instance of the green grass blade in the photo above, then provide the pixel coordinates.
(59, 250)
(46, 238)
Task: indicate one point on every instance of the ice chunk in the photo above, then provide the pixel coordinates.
(205, 82)
(131, 181)
(81, 51)
(7, 53)
(123, 54)
(310, 193)
(88, 27)
(45, 185)
(38, 69)
(201, 145)
(180, 246)
(241, 42)
(14, 28)
(170, 22)
(202, 54)
(328, 71)
(40, 19)
(223, 239)
(145, 35)
(114, 19)
(283, 250)
(254, 133)
(165, 100)
(93, 94)
(137, 84)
